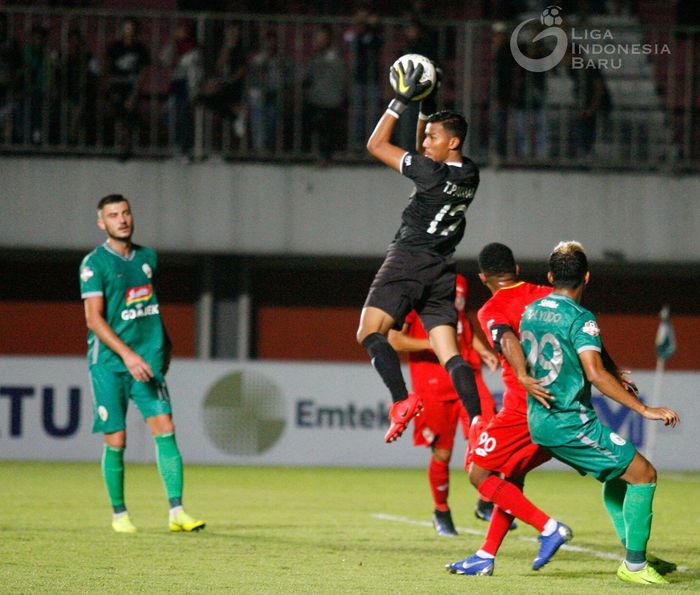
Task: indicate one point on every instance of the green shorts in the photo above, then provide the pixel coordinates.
(596, 450)
(111, 392)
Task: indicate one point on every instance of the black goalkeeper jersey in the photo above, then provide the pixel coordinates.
(434, 219)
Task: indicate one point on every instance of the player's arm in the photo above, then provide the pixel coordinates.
(481, 345)
(428, 106)
(609, 385)
(407, 85)
(379, 144)
(621, 375)
(96, 322)
(506, 342)
(402, 342)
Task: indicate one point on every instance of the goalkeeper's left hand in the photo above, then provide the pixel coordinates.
(407, 84)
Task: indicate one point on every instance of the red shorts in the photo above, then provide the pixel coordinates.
(437, 424)
(505, 446)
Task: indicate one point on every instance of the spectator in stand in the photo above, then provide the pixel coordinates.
(76, 82)
(268, 79)
(592, 104)
(126, 61)
(364, 41)
(32, 114)
(501, 88)
(528, 92)
(224, 92)
(10, 64)
(418, 41)
(184, 56)
(326, 81)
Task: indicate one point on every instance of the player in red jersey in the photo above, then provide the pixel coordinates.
(504, 446)
(443, 411)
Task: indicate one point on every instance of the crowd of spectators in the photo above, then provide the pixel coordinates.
(267, 86)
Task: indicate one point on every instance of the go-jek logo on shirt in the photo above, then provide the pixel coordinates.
(135, 295)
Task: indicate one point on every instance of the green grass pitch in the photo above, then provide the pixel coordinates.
(311, 530)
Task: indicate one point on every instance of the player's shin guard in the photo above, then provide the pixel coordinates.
(465, 385)
(508, 497)
(614, 492)
(439, 479)
(113, 474)
(386, 361)
(637, 513)
(499, 525)
(170, 467)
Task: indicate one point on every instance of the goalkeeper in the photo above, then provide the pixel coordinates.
(418, 271)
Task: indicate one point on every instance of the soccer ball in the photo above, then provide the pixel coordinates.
(550, 16)
(428, 76)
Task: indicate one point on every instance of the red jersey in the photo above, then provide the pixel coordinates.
(506, 306)
(428, 377)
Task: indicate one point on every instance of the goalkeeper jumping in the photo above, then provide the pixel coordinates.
(418, 271)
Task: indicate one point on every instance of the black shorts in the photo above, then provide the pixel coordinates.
(418, 281)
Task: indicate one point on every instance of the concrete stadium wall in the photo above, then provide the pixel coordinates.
(303, 210)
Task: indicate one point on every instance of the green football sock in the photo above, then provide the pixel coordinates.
(614, 497)
(170, 467)
(638, 514)
(113, 474)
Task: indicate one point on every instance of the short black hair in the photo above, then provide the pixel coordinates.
(568, 265)
(453, 122)
(110, 199)
(496, 259)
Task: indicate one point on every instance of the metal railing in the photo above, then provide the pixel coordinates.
(240, 86)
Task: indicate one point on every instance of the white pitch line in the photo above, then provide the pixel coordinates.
(571, 548)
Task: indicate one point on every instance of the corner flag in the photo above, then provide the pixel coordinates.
(665, 337)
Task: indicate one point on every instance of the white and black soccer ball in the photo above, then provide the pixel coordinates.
(551, 16)
(429, 75)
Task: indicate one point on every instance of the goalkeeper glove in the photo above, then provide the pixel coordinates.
(407, 85)
(428, 104)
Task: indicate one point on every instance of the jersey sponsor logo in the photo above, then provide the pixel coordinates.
(147, 270)
(140, 312)
(549, 304)
(86, 273)
(134, 295)
(591, 328)
(617, 439)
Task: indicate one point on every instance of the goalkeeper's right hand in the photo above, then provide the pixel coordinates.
(407, 85)
(428, 104)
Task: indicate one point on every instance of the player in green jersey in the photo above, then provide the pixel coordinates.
(562, 344)
(128, 357)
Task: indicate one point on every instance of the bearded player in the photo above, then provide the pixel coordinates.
(128, 356)
(418, 271)
(442, 410)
